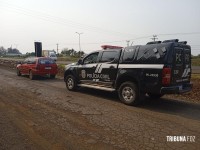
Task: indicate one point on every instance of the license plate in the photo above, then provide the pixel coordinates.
(47, 68)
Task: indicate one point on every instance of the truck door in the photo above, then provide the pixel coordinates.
(106, 70)
(87, 69)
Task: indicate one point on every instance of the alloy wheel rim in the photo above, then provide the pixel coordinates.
(128, 94)
(70, 83)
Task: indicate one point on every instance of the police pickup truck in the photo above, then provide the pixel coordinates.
(156, 68)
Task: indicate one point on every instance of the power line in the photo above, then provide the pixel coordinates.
(59, 20)
(64, 21)
(186, 33)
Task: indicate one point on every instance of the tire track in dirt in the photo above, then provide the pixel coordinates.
(32, 111)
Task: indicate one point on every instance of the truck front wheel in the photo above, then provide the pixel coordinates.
(128, 93)
(71, 83)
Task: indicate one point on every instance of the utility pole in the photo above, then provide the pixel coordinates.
(154, 38)
(127, 41)
(132, 43)
(57, 48)
(79, 40)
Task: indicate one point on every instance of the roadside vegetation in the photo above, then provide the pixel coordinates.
(196, 60)
(196, 76)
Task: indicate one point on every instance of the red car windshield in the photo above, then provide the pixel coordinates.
(46, 61)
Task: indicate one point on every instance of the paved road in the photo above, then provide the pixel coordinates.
(42, 114)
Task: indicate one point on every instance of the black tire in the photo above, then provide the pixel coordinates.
(31, 76)
(18, 72)
(155, 96)
(52, 76)
(71, 83)
(129, 93)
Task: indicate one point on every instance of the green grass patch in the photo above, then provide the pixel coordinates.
(195, 76)
(196, 61)
(61, 66)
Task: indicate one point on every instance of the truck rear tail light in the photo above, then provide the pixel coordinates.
(166, 76)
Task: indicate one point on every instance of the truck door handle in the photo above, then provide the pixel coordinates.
(94, 66)
(112, 67)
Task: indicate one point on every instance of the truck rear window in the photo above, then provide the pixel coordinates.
(129, 53)
(109, 56)
(150, 54)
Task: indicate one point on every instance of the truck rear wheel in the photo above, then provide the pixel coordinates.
(128, 93)
(71, 83)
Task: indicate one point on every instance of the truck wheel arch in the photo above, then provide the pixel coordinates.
(126, 78)
(69, 73)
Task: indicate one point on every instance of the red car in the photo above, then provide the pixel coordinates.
(37, 66)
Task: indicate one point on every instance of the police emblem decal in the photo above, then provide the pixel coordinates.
(83, 73)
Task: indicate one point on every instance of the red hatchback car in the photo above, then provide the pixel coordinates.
(37, 66)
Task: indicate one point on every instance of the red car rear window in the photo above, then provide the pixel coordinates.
(46, 61)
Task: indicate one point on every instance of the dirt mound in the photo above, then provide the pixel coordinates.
(193, 96)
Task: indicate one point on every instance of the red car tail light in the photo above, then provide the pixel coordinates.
(166, 76)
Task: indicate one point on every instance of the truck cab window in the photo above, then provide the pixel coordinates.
(109, 56)
(92, 58)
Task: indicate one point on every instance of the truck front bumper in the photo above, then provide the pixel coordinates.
(177, 89)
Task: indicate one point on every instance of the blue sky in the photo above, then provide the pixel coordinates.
(101, 22)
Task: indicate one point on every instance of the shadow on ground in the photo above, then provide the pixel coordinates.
(162, 105)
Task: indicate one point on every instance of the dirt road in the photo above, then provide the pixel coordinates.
(42, 114)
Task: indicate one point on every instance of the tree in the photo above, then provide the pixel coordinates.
(2, 50)
(65, 51)
(30, 54)
(72, 52)
(13, 51)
